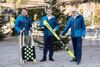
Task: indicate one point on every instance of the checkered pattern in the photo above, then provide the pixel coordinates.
(28, 53)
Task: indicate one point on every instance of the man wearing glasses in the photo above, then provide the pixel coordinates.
(48, 36)
(78, 30)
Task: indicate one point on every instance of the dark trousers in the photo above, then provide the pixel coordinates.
(77, 47)
(48, 46)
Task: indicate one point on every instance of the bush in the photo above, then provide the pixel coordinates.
(58, 45)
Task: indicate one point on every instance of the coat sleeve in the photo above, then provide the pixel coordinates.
(83, 27)
(17, 28)
(41, 22)
(67, 27)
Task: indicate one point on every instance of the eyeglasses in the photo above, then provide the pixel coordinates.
(73, 11)
(49, 11)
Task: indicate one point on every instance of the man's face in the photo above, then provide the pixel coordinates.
(49, 12)
(74, 13)
(24, 12)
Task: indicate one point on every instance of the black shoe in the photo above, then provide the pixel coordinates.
(73, 60)
(43, 60)
(78, 63)
(51, 59)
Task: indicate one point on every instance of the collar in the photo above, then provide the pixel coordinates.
(75, 16)
(50, 17)
(23, 16)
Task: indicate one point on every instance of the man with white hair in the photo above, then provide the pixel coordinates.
(78, 30)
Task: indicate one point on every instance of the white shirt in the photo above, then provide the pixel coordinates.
(76, 16)
(50, 17)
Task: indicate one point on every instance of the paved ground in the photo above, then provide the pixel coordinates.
(9, 56)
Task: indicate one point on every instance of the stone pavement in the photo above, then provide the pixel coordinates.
(9, 56)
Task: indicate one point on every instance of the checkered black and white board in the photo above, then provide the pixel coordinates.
(28, 53)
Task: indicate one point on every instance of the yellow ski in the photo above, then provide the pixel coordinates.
(54, 33)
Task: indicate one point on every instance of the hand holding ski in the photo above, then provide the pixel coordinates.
(53, 32)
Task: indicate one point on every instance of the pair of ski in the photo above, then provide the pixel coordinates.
(58, 38)
(27, 52)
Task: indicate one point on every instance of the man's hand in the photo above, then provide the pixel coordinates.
(22, 30)
(42, 27)
(54, 30)
(60, 35)
(31, 29)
